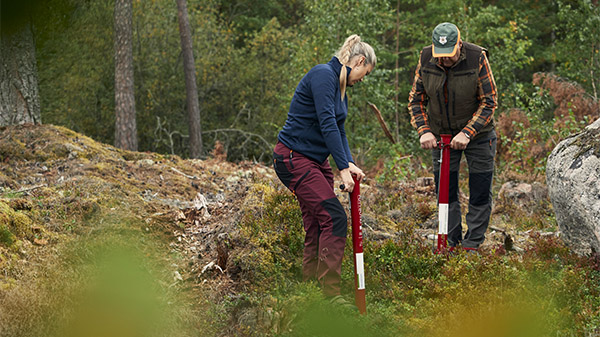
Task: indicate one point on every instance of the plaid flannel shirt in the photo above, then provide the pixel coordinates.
(486, 95)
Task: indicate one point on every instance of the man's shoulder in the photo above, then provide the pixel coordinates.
(426, 53)
(470, 45)
(427, 50)
(473, 47)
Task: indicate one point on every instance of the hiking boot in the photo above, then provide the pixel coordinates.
(470, 251)
(341, 302)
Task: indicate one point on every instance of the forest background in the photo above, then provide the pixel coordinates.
(250, 55)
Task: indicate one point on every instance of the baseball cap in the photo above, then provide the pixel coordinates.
(445, 39)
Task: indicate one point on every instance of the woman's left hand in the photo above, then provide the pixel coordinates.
(355, 171)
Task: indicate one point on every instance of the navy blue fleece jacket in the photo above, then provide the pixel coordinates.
(315, 121)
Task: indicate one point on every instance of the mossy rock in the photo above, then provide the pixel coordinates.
(589, 140)
(20, 204)
(7, 238)
(13, 224)
(6, 181)
(14, 149)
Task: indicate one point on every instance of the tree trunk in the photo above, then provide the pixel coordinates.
(125, 124)
(396, 80)
(19, 95)
(189, 68)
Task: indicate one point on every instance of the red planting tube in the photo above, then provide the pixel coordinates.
(443, 187)
(357, 245)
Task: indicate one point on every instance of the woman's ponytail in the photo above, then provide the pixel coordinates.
(353, 46)
(344, 56)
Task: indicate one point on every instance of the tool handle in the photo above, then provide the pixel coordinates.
(357, 247)
(443, 192)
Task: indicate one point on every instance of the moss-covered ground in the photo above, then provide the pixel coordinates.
(96, 241)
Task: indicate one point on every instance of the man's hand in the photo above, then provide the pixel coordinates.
(428, 141)
(459, 142)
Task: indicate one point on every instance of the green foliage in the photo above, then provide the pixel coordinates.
(76, 73)
(248, 17)
(502, 32)
(275, 238)
(400, 166)
(577, 47)
(482, 291)
(547, 290)
(250, 56)
(533, 137)
(399, 268)
(407, 284)
(263, 87)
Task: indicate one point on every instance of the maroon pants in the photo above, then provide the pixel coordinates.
(325, 221)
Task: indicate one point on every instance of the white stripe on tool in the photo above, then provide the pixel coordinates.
(360, 270)
(443, 216)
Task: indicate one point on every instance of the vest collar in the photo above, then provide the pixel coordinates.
(461, 58)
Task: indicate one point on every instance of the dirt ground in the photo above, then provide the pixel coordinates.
(58, 179)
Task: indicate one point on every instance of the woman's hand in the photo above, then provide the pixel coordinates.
(347, 180)
(347, 174)
(355, 171)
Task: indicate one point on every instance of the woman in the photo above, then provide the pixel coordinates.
(315, 129)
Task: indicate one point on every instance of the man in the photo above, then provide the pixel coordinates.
(454, 93)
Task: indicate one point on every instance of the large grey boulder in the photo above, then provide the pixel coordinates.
(573, 179)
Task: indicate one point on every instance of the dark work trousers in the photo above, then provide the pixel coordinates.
(325, 221)
(480, 154)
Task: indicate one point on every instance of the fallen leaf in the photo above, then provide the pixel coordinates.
(40, 242)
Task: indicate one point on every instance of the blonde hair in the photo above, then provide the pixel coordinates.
(351, 48)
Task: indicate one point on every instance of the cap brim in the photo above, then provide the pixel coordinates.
(449, 51)
(444, 52)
